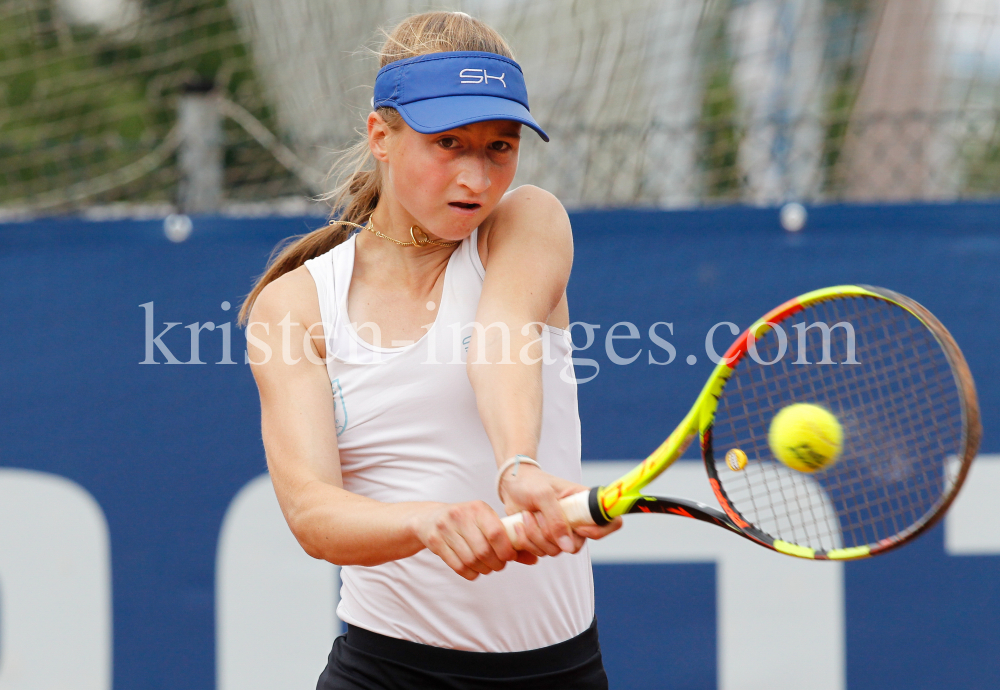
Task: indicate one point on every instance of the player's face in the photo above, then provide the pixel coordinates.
(448, 183)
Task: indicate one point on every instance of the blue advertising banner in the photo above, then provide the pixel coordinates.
(132, 504)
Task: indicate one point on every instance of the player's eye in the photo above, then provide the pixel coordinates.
(501, 146)
(448, 142)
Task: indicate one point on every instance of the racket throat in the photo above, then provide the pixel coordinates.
(594, 507)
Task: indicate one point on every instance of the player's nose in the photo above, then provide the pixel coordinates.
(474, 174)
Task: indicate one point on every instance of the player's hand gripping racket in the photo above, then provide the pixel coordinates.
(904, 403)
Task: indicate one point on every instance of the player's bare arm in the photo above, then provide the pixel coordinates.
(299, 432)
(528, 257)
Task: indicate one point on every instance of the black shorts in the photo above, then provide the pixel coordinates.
(363, 660)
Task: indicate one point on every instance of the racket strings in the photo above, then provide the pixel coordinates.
(890, 431)
(890, 427)
(899, 406)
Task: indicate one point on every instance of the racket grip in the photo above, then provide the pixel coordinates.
(576, 508)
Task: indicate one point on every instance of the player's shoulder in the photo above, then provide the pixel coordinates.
(528, 221)
(292, 294)
(530, 199)
(527, 208)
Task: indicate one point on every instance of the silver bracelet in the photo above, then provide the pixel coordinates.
(516, 463)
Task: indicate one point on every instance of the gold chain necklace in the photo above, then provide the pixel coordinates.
(419, 237)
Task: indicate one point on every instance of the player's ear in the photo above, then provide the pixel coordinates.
(378, 135)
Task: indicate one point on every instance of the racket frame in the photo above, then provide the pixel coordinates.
(624, 495)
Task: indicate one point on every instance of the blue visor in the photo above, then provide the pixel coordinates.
(440, 91)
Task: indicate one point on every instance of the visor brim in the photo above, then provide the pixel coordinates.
(435, 115)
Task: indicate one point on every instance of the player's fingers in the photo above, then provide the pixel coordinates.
(439, 546)
(524, 541)
(479, 544)
(598, 532)
(554, 524)
(496, 536)
(577, 540)
(533, 530)
(468, 557)
(526, 557)
(569, 543)
(457, 542)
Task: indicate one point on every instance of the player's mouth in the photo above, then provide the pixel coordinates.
(466, 206)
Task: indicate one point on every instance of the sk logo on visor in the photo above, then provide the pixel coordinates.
(479, 76)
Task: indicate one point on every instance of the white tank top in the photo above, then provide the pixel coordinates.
(408, 429)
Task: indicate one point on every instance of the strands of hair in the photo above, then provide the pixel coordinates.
(439, 32)
(356, 178)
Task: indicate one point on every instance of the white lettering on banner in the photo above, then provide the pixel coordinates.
(275, 606)
(276, 620)
(55, 585)
(196, 328)
(158, 340)
(609, 343)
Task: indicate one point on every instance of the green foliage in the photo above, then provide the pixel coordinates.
(847, 45)
(81, 101)
(718, 127)
(981, 155)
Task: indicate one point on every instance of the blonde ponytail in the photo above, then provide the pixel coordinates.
(358, 179)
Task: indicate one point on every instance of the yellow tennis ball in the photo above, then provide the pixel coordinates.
(806, 437)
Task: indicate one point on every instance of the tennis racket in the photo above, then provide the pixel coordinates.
(901, 390)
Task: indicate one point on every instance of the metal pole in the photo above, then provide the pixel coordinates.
(200, 155)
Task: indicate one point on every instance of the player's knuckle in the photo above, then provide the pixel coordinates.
(494, 532)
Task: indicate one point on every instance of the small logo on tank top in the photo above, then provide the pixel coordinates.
(339, 409)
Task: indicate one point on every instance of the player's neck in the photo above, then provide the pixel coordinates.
(385, 263)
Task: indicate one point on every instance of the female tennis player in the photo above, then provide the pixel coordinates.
(416, 379)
